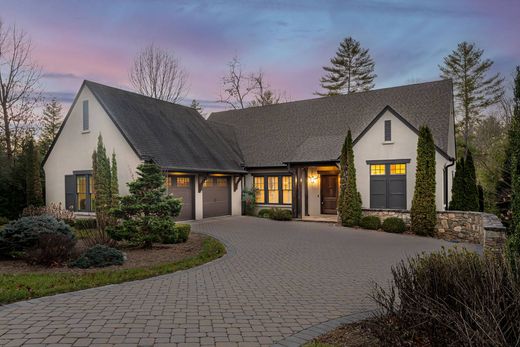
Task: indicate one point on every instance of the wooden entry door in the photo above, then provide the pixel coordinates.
(329, 194)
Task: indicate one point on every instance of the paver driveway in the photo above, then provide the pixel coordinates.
(277, 279)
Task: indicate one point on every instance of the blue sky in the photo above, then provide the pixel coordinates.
(289, 40)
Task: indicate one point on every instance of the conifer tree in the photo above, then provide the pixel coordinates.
(470, 185)
(457, 188)
(351, 70)
(114, 183)
(197, 106)
(33, 179)
(474, 91)
(349, 206)
(423, 212)
(102, 175)
(514, 143)
(51, 123)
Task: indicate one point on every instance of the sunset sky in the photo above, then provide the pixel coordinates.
(289, 40)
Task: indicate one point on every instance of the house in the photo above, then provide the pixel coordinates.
(288, 152)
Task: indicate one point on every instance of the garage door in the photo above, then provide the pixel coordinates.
(388, 186)
(183, 187)
(216, 197)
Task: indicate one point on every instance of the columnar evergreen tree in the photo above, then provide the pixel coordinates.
(474, 90)
(351, 70)
(349, 205)
(33, 183)
(457, 188)
(102, 175)
(147, 213)
(114, 183)
(514, 143)
(423, 212)
(470, 184)
(51, 123)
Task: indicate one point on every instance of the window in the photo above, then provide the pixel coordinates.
(273, 189)
(259, 189)
(208, 182)
(377, 169)
(85, 116)
(287, 189)
(397, 169)
(222, 182)
(388, 130)
(182, 182)
(85, 194)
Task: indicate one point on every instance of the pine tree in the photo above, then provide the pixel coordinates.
(147, 213)
(349, 205)
(33, 179)
(51, 123)
(197, 106)
(351, 70)
(457, 188)
(102, 173)
(423, 212)
(470, 185)
(474, 90)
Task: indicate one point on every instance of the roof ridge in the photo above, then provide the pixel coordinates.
(443, 80)
(87, 82)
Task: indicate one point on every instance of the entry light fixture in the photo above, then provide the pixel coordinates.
(313, 179)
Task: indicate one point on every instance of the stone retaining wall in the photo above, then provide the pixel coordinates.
(462, 226)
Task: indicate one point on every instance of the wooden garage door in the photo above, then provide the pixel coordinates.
(388, 186)
(216, 197)
(183, 187)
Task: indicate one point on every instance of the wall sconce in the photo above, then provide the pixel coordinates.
(313, 179)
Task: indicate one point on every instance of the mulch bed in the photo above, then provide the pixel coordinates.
(355, 334)
(136, 258)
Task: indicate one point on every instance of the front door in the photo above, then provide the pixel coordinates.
(329, 194)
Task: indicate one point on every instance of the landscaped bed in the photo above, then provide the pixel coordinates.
(20, 281)
(352, 335)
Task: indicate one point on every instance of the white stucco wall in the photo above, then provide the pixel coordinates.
(403, 146)
(73, 148)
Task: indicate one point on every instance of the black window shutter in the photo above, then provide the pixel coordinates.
(85, 115)
(388, 130)
(70, 192)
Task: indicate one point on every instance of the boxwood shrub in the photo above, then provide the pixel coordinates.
(99, 256)
(179, 233)
(394, 225)
(281, 214)
(265, 213)
(370, 222)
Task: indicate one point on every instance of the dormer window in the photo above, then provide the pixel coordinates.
(388, 130)
(85, 116)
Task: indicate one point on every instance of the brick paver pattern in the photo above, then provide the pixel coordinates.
(277, 279)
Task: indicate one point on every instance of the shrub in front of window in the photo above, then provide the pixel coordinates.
(99, 256)
(85, 223)
(147, 212)
(249, 201)
(370, 222)
(265, 213)
(423, 213)
(393, 225)
(178, 234)
(349, 202)
(23, 234)
(54, 210)
(280, 214)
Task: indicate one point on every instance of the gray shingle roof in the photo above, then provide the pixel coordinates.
(314, 130)
(174, 136)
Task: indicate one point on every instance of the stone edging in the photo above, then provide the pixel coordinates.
(311, 333)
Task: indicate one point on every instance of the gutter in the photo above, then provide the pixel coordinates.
(445, 174)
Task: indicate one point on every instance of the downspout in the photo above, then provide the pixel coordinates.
(452, 162)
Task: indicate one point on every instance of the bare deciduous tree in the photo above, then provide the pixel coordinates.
(19, 88)
(242, 90)
(159, 74)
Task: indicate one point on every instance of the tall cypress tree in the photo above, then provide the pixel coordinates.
(423, 212)
(514, 143)
(349, 205)
(470, 185)
(351, 70)
(114, 184)
(102, 174)
(33, 179)
(457, 188)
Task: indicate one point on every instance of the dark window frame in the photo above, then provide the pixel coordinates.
(388, 130)
(89, 191)
(280, 188)
(86, 116)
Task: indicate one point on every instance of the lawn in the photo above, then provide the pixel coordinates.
(16, 287)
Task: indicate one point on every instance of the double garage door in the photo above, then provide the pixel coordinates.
(388, 186)
(216, 196)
